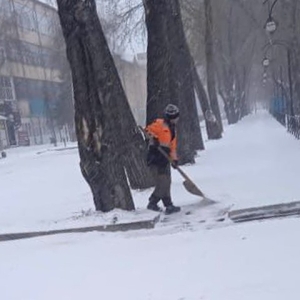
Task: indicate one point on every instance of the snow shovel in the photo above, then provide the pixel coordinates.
(189, 185)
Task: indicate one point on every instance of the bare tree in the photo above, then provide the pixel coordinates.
(123, 23)
(107, 135)
(194, 20)
(235, 44)
(210, 69)
(182, 85)
(169, 73)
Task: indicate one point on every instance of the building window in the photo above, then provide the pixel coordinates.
(48, 22)
(31, 54)
(6, 89)
(2, 56)
(5, 8)
(25, 16)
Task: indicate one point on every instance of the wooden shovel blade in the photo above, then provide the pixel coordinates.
(193, 189)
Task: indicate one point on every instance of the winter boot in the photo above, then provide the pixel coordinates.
(171, 209)
(152, 205)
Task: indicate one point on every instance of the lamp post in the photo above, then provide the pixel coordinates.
(271, 24)
(290, 80)
(289, 67)
(266, 62)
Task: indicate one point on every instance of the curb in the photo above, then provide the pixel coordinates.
(265, 212)
(148, 224)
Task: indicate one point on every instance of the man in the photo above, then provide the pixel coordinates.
(162, 134)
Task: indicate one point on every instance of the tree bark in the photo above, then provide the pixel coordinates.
(103, 119)
(158, 60)
(182, 84)
(210, 67)
(212, 125)
(169, 74)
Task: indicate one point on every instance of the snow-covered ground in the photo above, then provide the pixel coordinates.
(256, 163)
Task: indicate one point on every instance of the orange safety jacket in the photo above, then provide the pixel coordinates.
(160, 130)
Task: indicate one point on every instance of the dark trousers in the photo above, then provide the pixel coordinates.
(162, 191)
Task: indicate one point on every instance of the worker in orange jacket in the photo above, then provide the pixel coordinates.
(162, 134)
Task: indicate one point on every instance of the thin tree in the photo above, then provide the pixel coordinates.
(194, 20)
(211, 123)
(210, 69)
(235, 44)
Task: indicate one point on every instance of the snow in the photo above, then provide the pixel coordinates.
(38, 188)
(254, 164)
(254, 261)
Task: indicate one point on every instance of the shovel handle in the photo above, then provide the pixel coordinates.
(182, 173)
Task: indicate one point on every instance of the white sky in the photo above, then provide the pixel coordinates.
(133, 43)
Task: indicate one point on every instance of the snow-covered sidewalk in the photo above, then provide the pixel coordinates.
(256, 163)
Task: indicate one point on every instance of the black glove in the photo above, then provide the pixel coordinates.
(155, 142)
(174, 163)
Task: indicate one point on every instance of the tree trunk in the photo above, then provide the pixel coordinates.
(210, 66)
(101, 108)
(231, 110)
(295, 55)
(190, 137)
(158, 60)
(134, 158)
(241, 90)
(169, 74)
(227, 92)
(212, 125)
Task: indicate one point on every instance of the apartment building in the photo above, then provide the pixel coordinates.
(133, 75)
(31, 66)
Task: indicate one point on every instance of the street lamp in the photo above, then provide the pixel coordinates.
(266, 62)
(271, 24)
